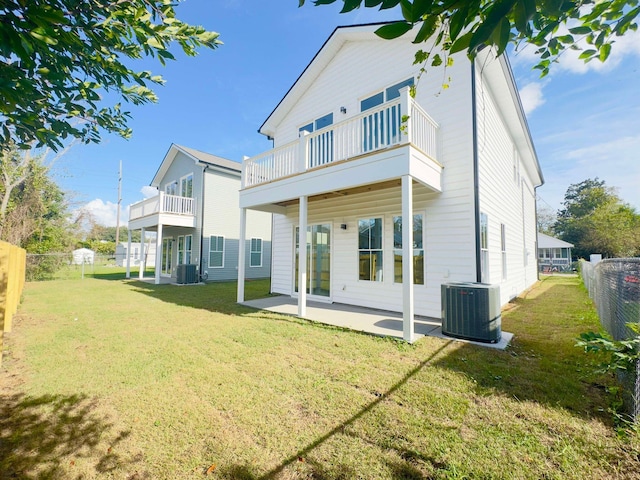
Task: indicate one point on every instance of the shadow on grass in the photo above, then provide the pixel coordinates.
(213, 297)
(40, 437)
(315, 470)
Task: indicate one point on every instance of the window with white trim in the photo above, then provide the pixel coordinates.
(171, 188)
(484, 248)
(418, 250)
(186, 186)
(255, 253)
(370, 249)
(216, 251)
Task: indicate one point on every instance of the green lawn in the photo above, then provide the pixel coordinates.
(106, 378)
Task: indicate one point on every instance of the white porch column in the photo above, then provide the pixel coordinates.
(242, 246)
(158, 254)
(302, 258)
(142, 265)
(407, 259)
(128, 254)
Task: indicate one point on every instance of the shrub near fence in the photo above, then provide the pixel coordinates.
(614, 286)
(12, 277)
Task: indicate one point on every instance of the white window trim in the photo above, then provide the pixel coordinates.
(252, 252)
(190, 249)
(382, 248)
(181, 193)
(224, 242)
(167, 185)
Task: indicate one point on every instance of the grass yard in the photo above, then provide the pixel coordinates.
(106, 378)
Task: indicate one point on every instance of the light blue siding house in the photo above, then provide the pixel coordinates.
(196, 217)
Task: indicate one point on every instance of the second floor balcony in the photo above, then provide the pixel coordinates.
(397, 123)
(163, 209)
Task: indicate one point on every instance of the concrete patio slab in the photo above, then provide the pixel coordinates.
(362, 319)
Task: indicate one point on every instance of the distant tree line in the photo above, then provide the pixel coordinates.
(595, 220)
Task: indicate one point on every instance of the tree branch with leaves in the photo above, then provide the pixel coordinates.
(60, 59)
(551, 26)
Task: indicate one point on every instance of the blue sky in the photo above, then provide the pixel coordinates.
(584, 120)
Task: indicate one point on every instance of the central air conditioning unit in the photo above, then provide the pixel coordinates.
(471, 311)
(186, 273)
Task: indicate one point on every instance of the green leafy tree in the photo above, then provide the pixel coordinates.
(551, 26)
(60, 59)
(596, 220)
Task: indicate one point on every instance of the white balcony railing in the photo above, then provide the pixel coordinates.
(162, 203)
(366, 133)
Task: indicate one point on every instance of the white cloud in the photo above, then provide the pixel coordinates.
(627, 45)
(105, 213)
(149, 191)
(612, 161)
(531, 97)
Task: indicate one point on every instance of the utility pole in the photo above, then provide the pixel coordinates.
(119, 202)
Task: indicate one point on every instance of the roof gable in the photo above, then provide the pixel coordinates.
(198, 157)
(547, 241)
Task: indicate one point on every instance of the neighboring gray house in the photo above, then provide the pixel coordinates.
(553, 254)
(196, 216)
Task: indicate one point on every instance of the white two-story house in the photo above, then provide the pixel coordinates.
(390, 195)
(196, 218)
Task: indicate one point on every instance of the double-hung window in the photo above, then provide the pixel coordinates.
(370, 249)
(216, 251)
(418, 250)
(255, 255)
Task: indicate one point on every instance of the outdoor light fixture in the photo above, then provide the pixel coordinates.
(343, 109)
(343, 226)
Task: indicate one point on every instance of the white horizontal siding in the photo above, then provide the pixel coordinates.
(222, 218)
(448, 257)
(506, 196)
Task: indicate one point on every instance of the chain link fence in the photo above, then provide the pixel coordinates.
(78, 265)
(614, 286)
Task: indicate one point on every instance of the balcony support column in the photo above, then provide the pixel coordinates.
(128, 254)
(242, 246)
(407, 260)
(158, 267)
(142, 265)
(302, 257)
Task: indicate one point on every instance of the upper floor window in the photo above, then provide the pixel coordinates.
(384, 96)
(317, 124)
(186, 186)
(171, 188)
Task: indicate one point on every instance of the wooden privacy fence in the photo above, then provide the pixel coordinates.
(12, 270)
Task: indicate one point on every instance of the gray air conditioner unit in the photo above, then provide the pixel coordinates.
(471, 311)
(186, 273)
